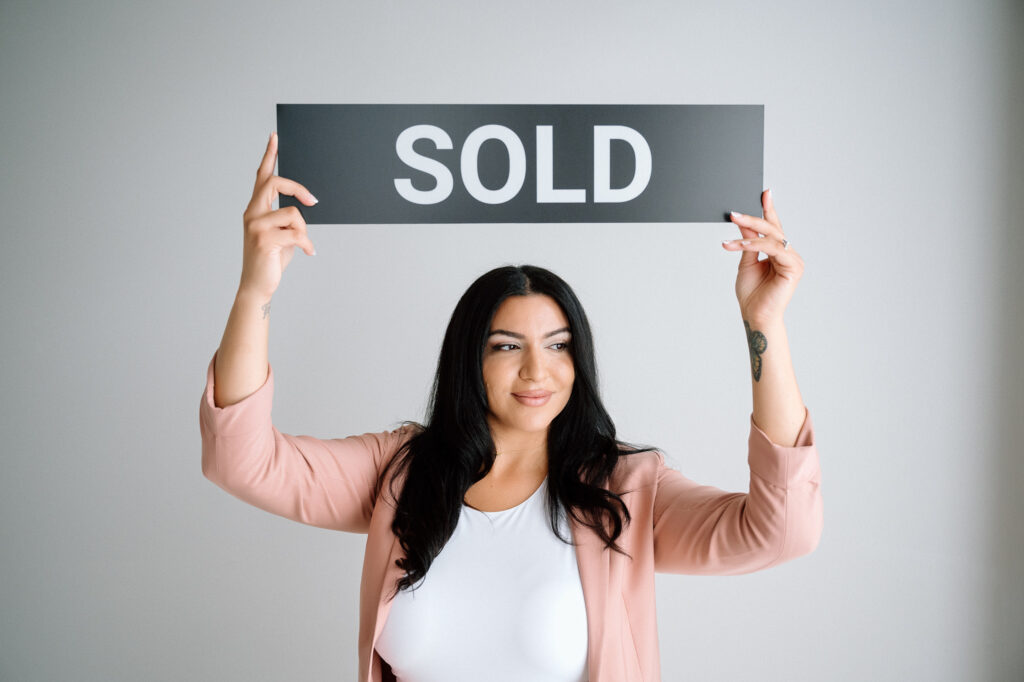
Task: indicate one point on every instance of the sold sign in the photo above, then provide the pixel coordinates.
(491, 163)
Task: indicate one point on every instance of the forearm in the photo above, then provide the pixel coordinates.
(778, 407)
(241, 366)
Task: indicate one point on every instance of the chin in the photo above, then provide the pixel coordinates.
(533, 425)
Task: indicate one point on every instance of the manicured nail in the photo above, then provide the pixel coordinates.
(315, 200)
(734, 214)
(745, 242)
(770, 195)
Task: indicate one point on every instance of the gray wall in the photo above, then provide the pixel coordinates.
(131, 135)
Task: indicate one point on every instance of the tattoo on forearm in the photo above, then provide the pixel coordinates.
(756, 344)
(266, 310)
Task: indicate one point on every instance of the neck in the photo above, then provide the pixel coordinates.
(520, 452)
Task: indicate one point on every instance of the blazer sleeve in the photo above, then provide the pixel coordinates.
(323, 483)
(701, 530)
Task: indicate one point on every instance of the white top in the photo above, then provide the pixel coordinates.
(502, 601)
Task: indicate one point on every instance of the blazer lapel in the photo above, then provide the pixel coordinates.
(593, 565)
(392, 573)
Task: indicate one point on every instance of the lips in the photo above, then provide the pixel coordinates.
(533, 398)
(533, 394)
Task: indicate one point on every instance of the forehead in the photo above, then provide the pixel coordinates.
(533, 312)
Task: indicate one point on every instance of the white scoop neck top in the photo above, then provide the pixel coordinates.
(504, 595)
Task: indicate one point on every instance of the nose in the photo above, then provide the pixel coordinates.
(533, 367)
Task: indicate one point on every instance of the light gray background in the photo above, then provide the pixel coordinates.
(131, 137)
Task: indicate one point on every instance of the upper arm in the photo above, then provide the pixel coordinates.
(700, 529)
(323, 483)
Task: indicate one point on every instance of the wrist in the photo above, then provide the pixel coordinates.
(763, 322)
(247, 295)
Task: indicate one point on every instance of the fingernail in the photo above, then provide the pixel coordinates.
(745, 241)
(314, 252)
(726, 241)
(734, 214)
(770, 195)
(315, 200)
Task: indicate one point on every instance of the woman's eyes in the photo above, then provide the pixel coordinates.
(501, 346)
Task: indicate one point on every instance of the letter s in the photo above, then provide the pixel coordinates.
(443, 176)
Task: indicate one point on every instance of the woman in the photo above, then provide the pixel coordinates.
(512, 537)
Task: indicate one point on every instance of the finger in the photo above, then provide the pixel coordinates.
(266, 168)
(786, 260)
(746, 245)
(748, 235)
(278, 185)
(769, 245)
(287, 239)
(768, 203)
(759, 225)
(749, 257)
(287, 227)
(749, 232)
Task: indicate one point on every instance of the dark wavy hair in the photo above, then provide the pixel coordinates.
(454, 449)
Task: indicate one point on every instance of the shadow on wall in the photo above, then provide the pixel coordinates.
(1005, 639)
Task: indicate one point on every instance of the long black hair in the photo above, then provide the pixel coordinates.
(454, 449)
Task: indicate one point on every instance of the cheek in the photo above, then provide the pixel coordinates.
(493, 375)
(568, 373)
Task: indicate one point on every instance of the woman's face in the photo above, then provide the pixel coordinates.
(527, 364)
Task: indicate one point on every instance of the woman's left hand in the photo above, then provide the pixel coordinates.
(765, 287)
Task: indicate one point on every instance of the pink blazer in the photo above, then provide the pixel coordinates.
(678, 526)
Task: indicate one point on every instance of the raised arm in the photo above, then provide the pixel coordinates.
(269, 241)
(703, 530)
(764, 289)
(325, 483)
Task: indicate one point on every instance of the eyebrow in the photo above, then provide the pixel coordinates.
(514, 335)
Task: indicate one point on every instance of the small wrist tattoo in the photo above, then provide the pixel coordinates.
(757, 344)
(266, 309)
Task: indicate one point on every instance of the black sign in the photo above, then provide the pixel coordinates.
(522, 163)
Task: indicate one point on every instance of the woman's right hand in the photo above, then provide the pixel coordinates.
(270, 236)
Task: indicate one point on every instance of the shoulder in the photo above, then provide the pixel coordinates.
(382, 446)
(390, 440)
(393, 440)
(637, 469)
